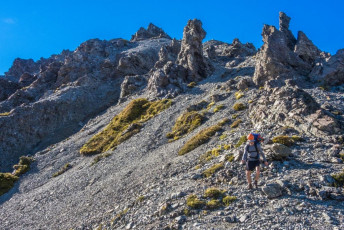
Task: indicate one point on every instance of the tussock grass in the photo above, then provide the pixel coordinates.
(210, 171)
(227, 200)
(239, 95)
(123, 126)
(23, 166)
(192, 84)
(339, 179)
(213, 193)
(239, 106)
(5, 114)
(201, 137)
(213, 204)
(62, 170)
(236, 123)
(186, 123)
(241, 141)
(7, 181)
(194, 202)
(284, 140)
(218, 108)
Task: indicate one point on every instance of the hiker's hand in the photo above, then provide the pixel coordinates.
(266, 163)
(242, 162)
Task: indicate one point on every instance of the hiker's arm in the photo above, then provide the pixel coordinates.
(261, 152)
(244, 156)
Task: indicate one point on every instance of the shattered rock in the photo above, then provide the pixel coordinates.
(152, 31)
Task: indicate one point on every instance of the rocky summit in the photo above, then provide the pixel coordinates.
(149, 134)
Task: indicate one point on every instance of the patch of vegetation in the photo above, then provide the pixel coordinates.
(186, 123)
(236, 123)
(119, 216)
(338, 179)
(192, 84)
(234, 116)
(227, 200)
(140, 199)
(223, 136)
(201, 137)
(63, 170)
(23, 166)
(7, 181)
(187, 212)
(100, 157)
(284, 140)
(227, 147)
(213, 204)
(123, 126)
(5, 114)
(324, 88)
(213, 193)
(337, 112)
(239, 106)
(229, 157)
(209, 155)
(250, 101)
(218, 108)
(210, 171)
(192, 201)
(296, 138)
(241, 141)
(261, 87)
(210, 105)
(239, 95)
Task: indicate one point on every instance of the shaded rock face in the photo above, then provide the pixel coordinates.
(151, 32)
(293, 107)
(237, 49)
(69, 89)
(168, 53)
(7, 88)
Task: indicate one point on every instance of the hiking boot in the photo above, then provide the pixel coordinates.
(249, 186)
(256, 184)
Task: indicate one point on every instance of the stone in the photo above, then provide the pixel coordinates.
(152, 31)
(132, 84)
(238, 155)
(237, 49)
(272, 190)
(180, 219)
(305, 48)
(191, 54)
(129, 225)
(280, 151)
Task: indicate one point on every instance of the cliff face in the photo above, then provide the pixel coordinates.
(170, 150)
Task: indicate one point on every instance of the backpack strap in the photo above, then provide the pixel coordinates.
(255, 145)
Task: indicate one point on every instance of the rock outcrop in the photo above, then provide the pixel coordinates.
(293, 107)
(21, 66)
(152, 31)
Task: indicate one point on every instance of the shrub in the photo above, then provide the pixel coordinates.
(192, 201)
(241, 141)
(339, 179)
(210, 171)
(7, 181)
(192, 84)
(213, 193)
(284, 140)
(23, 166)
(213, 204)
(201, 137)
(239, 106)
(124, 125)
(236, 123)
(218, 108)
(238, 95)
(186, 123)
(63, 170)
(5, 114)
(227, 200)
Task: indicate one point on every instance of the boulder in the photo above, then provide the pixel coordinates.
(280, 152)
(272, 190)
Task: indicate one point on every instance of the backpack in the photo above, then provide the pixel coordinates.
(249, 152)
(256, 137)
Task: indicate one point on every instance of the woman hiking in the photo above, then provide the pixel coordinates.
(251, 158)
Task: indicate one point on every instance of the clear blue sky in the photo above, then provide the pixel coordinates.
(36, 28)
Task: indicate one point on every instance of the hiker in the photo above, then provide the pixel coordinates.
(251, 158)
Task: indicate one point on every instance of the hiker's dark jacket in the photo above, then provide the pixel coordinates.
(250, 153)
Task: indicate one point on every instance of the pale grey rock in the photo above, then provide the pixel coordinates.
(272, 190)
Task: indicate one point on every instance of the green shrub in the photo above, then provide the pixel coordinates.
(227, 200)
(238, 95)
(201, 137)
(186, 123)
(213, 204)
(7, 181)
(339, 179)
(210, 171)
(213, 193)
(62, 170)
(241, 141)
(284, 140)
(236, 123)
(239, 106)
(23, 166)
(124, 125)
(192, 201)
(192, 84)
(218, 108)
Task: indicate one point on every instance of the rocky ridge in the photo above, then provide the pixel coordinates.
(289, 89)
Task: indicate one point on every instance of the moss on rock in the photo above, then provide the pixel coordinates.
(7, 181)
